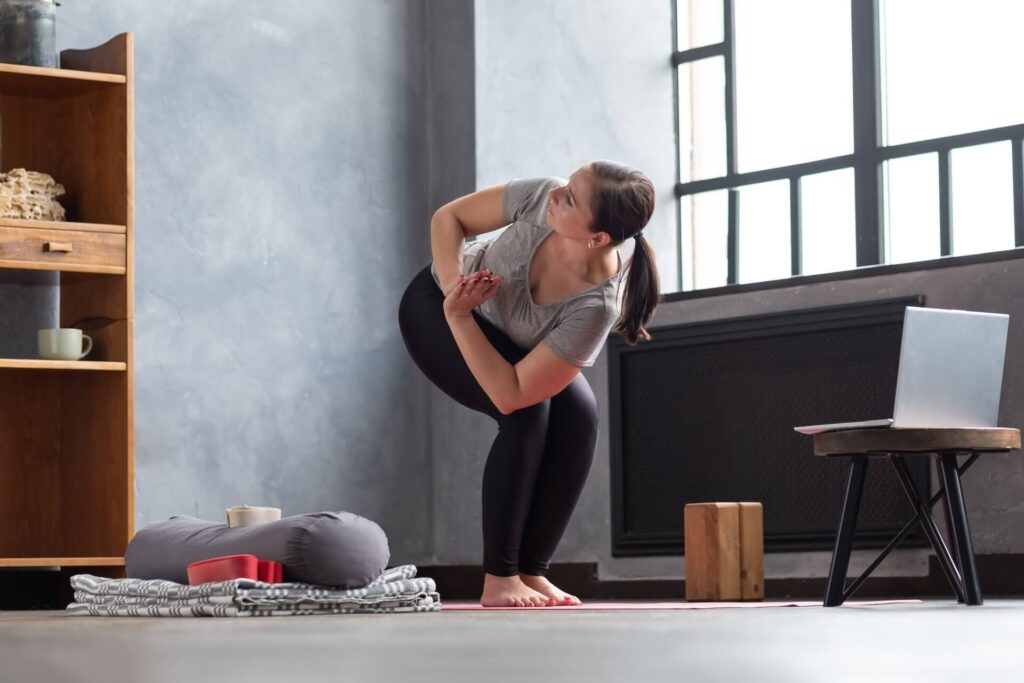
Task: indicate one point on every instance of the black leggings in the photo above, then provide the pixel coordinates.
(542, 454)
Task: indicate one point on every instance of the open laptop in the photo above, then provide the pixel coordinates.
(950, 372)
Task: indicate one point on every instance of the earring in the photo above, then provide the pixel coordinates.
(590, 245)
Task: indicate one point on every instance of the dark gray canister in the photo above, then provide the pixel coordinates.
(28, 32)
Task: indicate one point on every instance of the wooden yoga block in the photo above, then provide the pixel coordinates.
(724, 551)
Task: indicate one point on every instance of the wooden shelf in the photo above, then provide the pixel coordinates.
(62, 267)
(33, 364)
(61, 561)
(39, 81)
(62, 225)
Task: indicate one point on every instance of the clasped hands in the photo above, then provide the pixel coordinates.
(469, 291)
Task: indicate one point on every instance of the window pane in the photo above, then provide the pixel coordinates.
(949, 67)
(911, 201)
(764, 249)
(794, 98)
(706, 221)
(828, 217)
(701, 119)
(699, 23)
(982, 189)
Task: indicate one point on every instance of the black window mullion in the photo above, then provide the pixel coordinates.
(679, 133)
(945, 204)
(795, 226)
(732, 239)
(765, 175)
(728, 54)
(698, 53)
(972, 139)
(1018, 191)
(866, 131)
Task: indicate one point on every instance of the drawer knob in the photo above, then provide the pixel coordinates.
(58, 246)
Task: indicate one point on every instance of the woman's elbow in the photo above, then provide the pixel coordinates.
(506, 407)
(514, 405)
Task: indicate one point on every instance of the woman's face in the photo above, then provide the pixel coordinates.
(569, 207)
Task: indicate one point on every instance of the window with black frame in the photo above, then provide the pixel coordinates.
(819, 136)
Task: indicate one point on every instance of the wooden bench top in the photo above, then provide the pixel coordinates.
(892, 440)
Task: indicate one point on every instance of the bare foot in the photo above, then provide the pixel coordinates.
(556, 595)
(509, 591)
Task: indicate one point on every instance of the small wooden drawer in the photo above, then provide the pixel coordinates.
(70, 250)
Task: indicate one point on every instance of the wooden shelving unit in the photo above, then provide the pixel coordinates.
(67, 466)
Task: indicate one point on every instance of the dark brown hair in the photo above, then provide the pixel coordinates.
(622, 204)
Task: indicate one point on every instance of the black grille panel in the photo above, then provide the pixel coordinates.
(705, 412)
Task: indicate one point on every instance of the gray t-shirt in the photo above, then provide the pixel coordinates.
(576, 327)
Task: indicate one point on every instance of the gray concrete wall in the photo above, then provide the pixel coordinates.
(451, 101)
(281, 208)
(452, 139)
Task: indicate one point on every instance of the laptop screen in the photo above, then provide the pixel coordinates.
(951, 368)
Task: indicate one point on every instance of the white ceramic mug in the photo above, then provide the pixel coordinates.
(63, 343)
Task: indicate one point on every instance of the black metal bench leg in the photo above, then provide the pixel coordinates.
(844, 538)
(945, 558)
(949, 523)
(961, 529)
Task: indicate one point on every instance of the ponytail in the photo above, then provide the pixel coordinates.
(623, 204)
(642, 294)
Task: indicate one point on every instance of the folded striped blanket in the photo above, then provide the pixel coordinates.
(395, 590)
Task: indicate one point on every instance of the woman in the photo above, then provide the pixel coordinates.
(547, 293)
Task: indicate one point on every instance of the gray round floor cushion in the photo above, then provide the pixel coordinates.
(325, 548)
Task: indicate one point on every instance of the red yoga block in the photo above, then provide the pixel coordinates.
(269, 571)
(229, 567)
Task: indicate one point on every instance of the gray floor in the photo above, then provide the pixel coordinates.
(933, 641)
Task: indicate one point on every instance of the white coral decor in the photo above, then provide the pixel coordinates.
(30, 194)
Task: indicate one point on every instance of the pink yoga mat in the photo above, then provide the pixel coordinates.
(669, 605)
